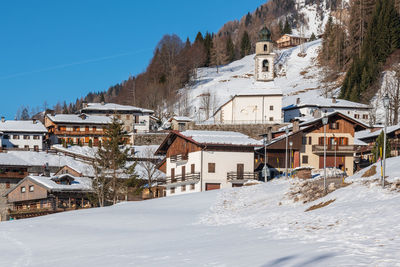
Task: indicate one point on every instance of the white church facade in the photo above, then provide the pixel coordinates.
(262, 102)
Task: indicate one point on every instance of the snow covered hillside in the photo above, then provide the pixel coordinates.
(250, 226)
(297, 77)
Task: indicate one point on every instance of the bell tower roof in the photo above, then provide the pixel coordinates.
(264, 35)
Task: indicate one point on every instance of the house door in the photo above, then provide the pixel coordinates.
(240, 170)
(212, 186)
(173, 174)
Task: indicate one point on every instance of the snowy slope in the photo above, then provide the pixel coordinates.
(249, 226)
(297, 77)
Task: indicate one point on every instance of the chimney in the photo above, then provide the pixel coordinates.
(84, 104)
(317, 113)
(296, 125)
(34, 121)
(298, 101)
(334, 100)
(102, 103)
(3, 119)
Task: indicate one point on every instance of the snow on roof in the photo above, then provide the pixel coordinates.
(114, 107)
(78, 183)
(221, 137)
(8, 159)
(74, 118)
(368, 134)
(181, 118)
(22, 126)
(323, 102)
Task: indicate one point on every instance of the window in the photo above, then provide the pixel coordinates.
(26, 147)
(15, 136)
(172, 174)
(271, 118)
(6, 136)
(365, 117)
(304, 140)
(77, 128)
(309, 140)
(305, 159)
(265, 47)
(265, 65)
(192, 186)
(36, 148)
(357, 116)
(211, 167)
(7, 184)
(27, 137)
(271, 107)
(23, 189)
(183, 188)
(334, 125)
(172, 190)
(31, 188)
(36, 137)
(192, 168)
(94, 128)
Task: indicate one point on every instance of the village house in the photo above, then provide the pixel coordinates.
(79, 129)
(27, 135)
(134, 119)
(307, 144)
(262, 103)
(40, 195)
(198, 161)
(305, 108)
(290, 40)
(180, 123)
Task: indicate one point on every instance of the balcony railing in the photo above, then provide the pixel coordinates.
(82, 133)
(232, 176)
(183, 178)
(331, 149)
(178, 158)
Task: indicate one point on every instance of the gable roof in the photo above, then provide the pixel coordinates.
(114, 107)
(22, 126)
(80, 119)
(322, 102)
(213, 138)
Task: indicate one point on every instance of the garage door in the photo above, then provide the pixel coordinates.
(210, 186)
(330, 162)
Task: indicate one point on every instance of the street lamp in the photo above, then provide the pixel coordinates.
(287, 133)
(325, 122)
(265, 158)
(386, 105)
(290, 157)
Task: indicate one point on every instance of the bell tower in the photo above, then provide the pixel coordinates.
(264, 59)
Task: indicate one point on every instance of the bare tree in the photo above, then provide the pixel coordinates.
(392, 89)
(148, 167)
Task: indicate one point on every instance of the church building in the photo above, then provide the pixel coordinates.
(261, 103)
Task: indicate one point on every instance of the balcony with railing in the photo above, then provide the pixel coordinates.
(78, 133)
(178, 158)
(241, 177)
(186, 177)
(330, 149)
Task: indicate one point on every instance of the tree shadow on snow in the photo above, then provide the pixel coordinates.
(310, 262)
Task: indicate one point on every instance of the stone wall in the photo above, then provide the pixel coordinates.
(149, 139)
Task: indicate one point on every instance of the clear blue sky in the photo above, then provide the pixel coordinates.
(61, 50)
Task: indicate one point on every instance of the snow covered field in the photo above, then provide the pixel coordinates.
(249, 226)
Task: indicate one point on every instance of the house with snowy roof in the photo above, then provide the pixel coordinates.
(198, 161)
(41, 195)
(76, 128)
(135, 119)
(290, 40)
(314, 107)
(307, 139)
(180, 123)
(27, 135)
(262, 102)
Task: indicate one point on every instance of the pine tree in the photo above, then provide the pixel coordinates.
(313, 37)
(25, 114)
(247, 19)
(230, 49)
(102, 98)
(377, 150)
(111, 157)
(287, 29)
(245, 45)
(199, 38)
(208, 45)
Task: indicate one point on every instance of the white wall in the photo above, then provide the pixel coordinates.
(21, 142)
(224, 162)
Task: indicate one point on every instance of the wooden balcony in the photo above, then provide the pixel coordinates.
(78, 133)
(241, 176)
(187, 177)
(178, 158)
(14, 175)
(330, 149)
